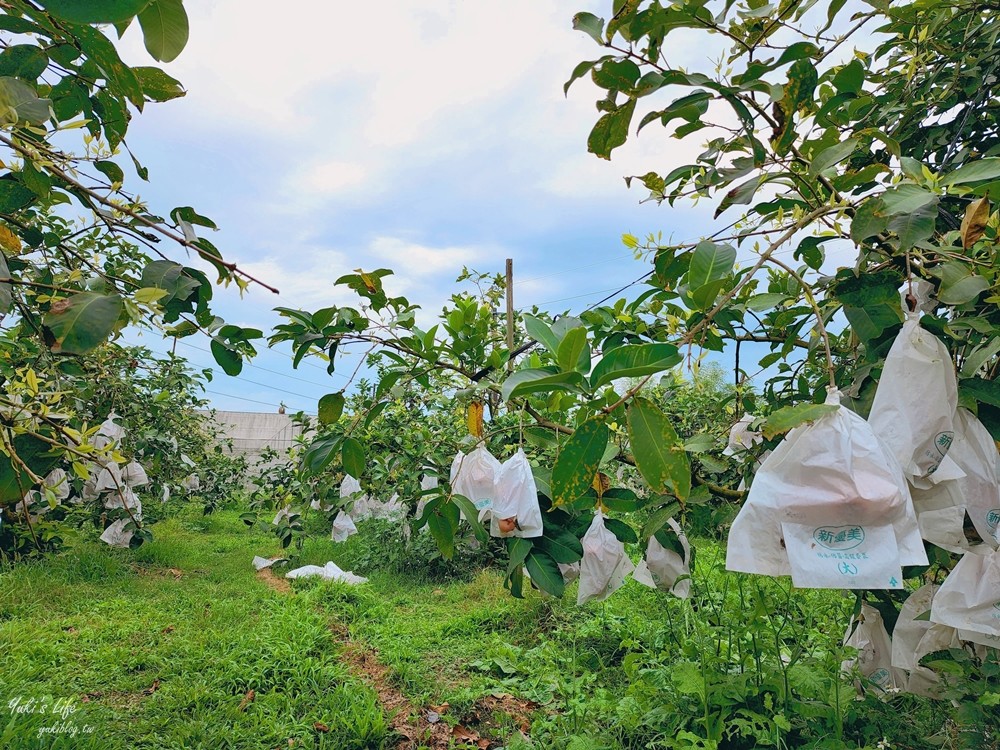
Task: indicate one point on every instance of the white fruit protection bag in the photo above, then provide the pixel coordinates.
(343, 527)
(517, 499)
(942, 509)
(474, 476)
(969, 599)
(328, 572)
(830, 507)
(351, 487)
(605, 564)
(914, 407)
(661, 567)
(868, 635)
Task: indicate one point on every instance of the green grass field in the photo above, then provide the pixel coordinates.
(160, 647)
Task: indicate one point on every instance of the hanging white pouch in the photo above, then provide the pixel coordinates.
(109, 434)
(393, 509)
(134, 475)
(969, 599)
(742, 438)
(942, 508)
(909, 630)
(343, 527)
(57, 482)
(831, 507)
(351, 487)
(605, 563)
(914, 406)
(661, 567)
(116, 536)
(475, 476)
(873, 661)
(515, 510)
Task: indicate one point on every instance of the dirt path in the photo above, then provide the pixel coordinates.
(423, 727)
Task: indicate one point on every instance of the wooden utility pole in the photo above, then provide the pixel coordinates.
(510, 313)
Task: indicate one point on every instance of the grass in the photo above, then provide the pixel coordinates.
(158, 648)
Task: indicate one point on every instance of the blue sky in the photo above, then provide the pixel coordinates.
(434, 137)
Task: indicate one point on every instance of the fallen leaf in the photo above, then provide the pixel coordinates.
(152, 688)
(168, 629)
(248, 698)
(319, 726)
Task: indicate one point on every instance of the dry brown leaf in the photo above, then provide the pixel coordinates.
(319, 726)
(247, 699)
(152, 688)
(168, 629)
(977, 214)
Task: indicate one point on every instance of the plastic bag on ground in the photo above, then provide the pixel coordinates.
(969, 599)
(515, 511)
(475, 476)
(605, 564)
(262, 562)
(914, 407)
(830, 507)
(874, 658)
(942, 509)
(661, 567)
(343, 527)
(329, 572)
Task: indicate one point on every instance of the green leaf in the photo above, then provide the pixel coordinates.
(569, 355)
(739, 195)
(110, 170)
(869, 220)
(14, 196)
(545, 573)
(659, 453)
(5, 289)
(157, 85)
(331, 407)
(443, 523)
(906, 198)
(471, 513)
(83, 321)
(20, 104)
(634, 361)
(611, 130)
(658, 519)
(353, 457)
(94, 11)
(561, 545)
(958, 283)
(33, 452)
(829, 157)
(916, 226)
(321, 454)
(871, 303)
(23, 61)
(979, 170)
(164, 29)
(622, 531)
(983, 391)
(517, 552)
(523, 382)
(590, 25)
(574, 469)
(975, 360)
(710, 262)
(785, 419)
(540, 331)
(228, 358)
